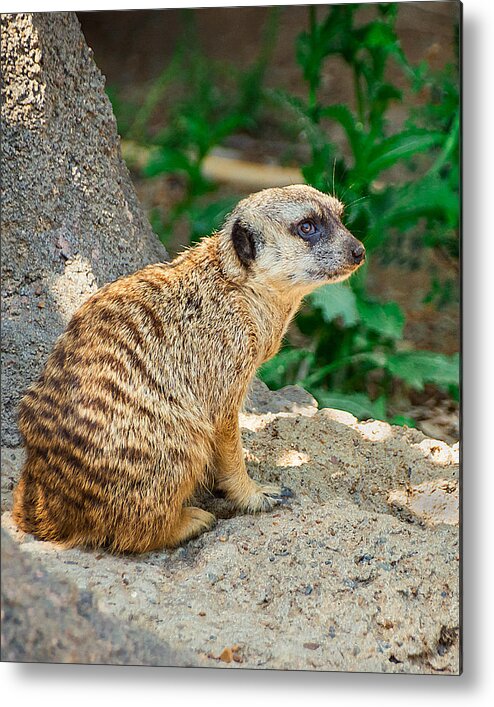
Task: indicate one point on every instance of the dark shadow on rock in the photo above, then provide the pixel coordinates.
(51, 621)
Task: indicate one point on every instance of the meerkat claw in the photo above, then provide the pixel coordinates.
(283, 502)
(285, 492)
(280, 495)
(268, 496)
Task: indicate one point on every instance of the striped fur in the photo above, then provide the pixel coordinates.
(141, 393)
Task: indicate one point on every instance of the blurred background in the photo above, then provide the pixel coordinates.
(357, 100)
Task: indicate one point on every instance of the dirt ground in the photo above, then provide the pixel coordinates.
(360, 572)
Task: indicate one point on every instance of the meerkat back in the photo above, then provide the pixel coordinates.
(112, 443)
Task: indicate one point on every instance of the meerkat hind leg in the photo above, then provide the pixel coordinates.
(192, 522)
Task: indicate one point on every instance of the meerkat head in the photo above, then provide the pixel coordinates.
(293, 236)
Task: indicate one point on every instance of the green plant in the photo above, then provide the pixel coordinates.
(346, 347)
(216, 101)
(353, 341)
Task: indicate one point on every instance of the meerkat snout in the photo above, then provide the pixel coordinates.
(294, 236)
(358, 254)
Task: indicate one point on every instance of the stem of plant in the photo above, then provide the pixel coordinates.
(315, 80)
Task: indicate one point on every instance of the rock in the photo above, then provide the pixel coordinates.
(226, 655)
(11, 462)
(438, 451)
(51, 621)
(346, 418)
(432, 502)
(291, 398)
(70, 219)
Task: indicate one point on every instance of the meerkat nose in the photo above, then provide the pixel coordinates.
(358, 254)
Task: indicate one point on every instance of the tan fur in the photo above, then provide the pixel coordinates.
(140, 396)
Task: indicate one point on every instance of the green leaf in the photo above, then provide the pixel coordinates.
(369, 359)
(336, 32)
(419, 367)
(386, 319)
(400, 146)
(167, 160)
(387, 92)
(336, 300)
(358, 404)
(379, 34)
(275, 372)
(403, 420)
(226, 126)
(344, 116)
(319, 173)
(430, 197)
(207, 218)
(198, 130)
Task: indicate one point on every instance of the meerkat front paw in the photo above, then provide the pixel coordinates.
(267, 496)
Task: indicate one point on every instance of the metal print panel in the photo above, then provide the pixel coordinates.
(230, 420)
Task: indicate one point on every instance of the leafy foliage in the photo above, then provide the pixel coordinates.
(202, 118)
(348, 350)
(355, 340)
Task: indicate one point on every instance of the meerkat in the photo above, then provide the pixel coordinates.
(139, 399)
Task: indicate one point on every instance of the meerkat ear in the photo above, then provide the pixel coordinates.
(244, 242)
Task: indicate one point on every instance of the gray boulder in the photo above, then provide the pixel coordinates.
(51, 621)
(70, 218)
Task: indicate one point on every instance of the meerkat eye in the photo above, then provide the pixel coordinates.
(305, 229)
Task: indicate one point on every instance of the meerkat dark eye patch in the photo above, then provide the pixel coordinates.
(310, 230)
(244, 242)
(307, 229)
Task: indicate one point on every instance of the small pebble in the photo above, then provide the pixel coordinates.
(311, 646)
(226, 655)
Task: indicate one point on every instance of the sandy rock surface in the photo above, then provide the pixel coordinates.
(353, 574)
